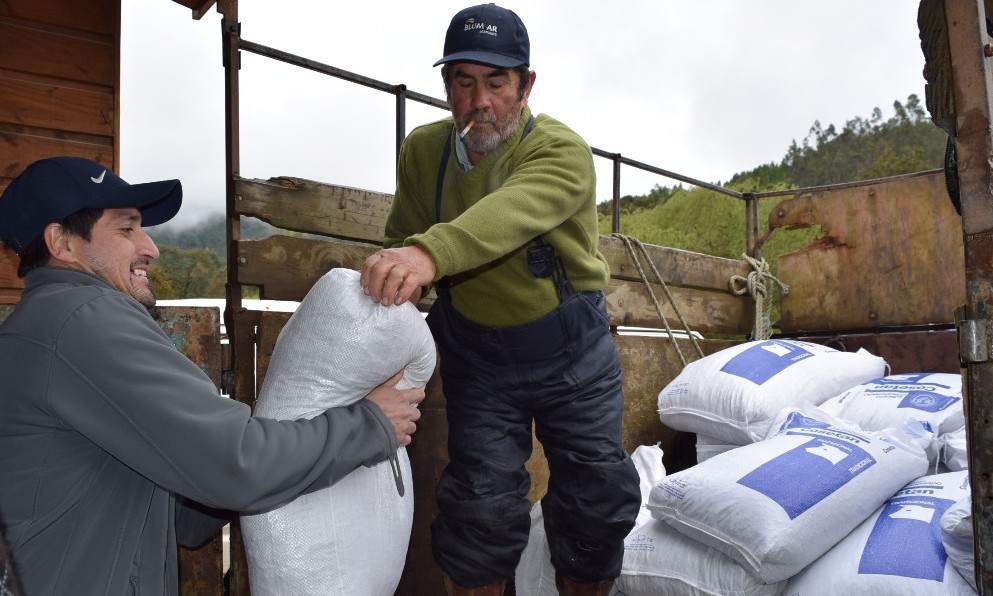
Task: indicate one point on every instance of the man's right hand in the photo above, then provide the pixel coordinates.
(399, 405)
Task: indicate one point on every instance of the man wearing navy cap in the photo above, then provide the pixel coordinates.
(114, 447)
(496, 208)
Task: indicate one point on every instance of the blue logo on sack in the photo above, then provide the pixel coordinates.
(907, 524)
(765, 360)
(807, 474)
(927, 401)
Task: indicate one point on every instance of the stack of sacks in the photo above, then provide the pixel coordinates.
(898, 550)
(933, 399)
(958, 539)
(350, 538)
(732, 396)
(777, 505)
(535, 575)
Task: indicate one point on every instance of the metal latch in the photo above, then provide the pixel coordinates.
(975, 340)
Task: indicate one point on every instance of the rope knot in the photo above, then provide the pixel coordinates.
(756, 285)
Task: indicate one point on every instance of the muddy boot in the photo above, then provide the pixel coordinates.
(570, 587)
(494, 589)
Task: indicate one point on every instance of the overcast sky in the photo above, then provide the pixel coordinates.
(704, 88)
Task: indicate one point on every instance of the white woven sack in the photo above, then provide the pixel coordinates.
(954, 453)
(777, 505)
(733, 395)
(535, 575)
(350, 538)
(660, 561)
(896, 552)
(958, 539)
(933, 399)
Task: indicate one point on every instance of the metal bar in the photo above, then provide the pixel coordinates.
(841, 185)
(648, 168)
(967, 39)
(751, 225)
(401, 129)
(615, 225)
(231, 58)
(333, 71)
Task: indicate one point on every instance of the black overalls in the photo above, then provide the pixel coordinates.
(563, 372)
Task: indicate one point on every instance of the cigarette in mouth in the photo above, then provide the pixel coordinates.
(465, 130)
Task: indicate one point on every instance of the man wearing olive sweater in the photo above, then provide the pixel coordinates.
(496, 208)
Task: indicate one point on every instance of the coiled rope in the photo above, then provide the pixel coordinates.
(756, 284)
(629, 243)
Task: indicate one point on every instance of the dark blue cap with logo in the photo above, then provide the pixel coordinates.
(51, 189)
(487, 34)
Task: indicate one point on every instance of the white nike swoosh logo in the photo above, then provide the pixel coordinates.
(99, 178)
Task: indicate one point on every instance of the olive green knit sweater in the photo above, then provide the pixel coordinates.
(543, 185)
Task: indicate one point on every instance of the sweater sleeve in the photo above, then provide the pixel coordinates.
(119, 381)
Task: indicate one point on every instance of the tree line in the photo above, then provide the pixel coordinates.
(192, 262)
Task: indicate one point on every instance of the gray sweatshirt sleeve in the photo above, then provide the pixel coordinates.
(118, 380)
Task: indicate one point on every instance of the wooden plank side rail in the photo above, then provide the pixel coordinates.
(285, 267)
(313, 207)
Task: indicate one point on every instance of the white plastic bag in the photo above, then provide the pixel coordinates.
(350, 538)
(777, 505)
(734, 394)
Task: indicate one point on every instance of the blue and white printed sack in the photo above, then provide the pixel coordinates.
(660, 561)
(733, 395)
(898, 551)
(933, 399)
(777, 505)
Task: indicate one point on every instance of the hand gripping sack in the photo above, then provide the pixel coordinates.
(349, 538)
(897, 551)
(777, 505)
(734, 394)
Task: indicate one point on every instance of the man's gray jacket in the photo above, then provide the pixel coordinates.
(106, 430)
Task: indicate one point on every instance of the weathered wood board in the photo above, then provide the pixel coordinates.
(889, 255)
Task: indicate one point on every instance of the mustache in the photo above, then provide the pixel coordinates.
(480, 116)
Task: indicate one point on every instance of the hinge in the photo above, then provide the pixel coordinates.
(975, 340)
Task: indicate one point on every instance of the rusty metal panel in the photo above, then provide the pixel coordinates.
(904, 352)
(196, 332)
(889, 254)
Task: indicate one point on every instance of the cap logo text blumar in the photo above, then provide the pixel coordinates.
(471, 24)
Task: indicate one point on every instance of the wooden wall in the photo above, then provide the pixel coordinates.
(59, 90)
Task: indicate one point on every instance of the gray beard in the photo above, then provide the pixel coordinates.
(484, 143)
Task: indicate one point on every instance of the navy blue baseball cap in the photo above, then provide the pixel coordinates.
(51, 189)
(487, 34)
